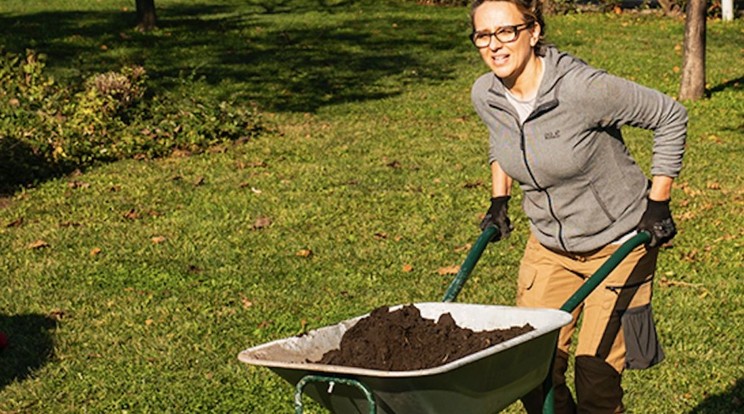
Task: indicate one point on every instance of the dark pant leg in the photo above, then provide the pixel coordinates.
(598, 386)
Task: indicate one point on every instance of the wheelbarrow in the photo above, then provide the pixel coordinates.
(484, 382)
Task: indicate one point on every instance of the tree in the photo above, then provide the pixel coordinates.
(692, 85)
(146, 17)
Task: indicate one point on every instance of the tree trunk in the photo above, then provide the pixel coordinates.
(146, 17)
(693, 67)
(727, 10)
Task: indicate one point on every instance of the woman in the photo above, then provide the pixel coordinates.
(554, 125)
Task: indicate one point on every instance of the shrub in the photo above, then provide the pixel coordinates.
(46, 128)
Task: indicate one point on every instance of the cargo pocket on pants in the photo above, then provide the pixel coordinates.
(641, 343)
(525, 281)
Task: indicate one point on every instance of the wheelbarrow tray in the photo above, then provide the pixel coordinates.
(481, 383)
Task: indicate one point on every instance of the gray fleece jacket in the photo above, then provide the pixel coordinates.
(581, 187)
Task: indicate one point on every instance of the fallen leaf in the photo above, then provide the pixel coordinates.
(618, 10)
(449, 270)
(474, 184)
(199, 181)
(463, 248)
(38, 244)
(179, 153)
(148, 322)
(380, 235)
(15, 223)
(77, 184)
(255, 190)
(131, 214)
(95, 251)
(57, 314)
(713, 186)
(261, 223)
(407, 268)
(158, 239)
(246, 302)
(675, 69)
(304, 253)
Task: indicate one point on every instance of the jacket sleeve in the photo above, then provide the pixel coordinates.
(622, 102)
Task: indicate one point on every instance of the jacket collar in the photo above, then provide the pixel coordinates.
(556, 66)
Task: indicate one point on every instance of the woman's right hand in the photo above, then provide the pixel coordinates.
(497, 216)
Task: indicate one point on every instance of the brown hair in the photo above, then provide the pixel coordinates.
(532, 12)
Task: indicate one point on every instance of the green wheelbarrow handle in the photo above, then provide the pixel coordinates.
(569, 306)
(607, 267)
(600, 275)
(467, 267)
(585, 290)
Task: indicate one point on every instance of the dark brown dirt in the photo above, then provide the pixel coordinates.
(402, 340)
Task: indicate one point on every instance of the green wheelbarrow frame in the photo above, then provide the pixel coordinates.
(476, 251)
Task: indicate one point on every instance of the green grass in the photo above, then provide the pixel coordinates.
(376, 161)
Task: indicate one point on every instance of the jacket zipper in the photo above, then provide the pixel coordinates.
(540, 109)
(539, 187)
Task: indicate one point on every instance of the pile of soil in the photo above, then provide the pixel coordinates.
(402, 340)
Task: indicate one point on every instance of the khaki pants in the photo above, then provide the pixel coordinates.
(548, 278)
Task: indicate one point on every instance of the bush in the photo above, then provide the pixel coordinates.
(46, 128)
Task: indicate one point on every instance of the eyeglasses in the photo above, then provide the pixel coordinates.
(505, 34)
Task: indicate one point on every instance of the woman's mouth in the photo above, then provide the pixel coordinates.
(500, 59)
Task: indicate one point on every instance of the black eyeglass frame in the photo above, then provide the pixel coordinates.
(518, 28)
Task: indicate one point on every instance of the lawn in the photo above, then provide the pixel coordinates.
(132, 286)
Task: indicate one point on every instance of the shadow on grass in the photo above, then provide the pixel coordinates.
(21, 166)
(297, 57)
(30, 345)
(297, 60)
(730, 401)
(736, 84)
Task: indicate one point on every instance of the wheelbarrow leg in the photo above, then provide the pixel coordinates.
(331, 381)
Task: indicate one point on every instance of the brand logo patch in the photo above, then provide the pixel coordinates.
(553, 135)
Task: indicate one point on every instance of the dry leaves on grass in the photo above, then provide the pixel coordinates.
(474, 184)
(38, 244)
(158, 239)
(407, 268)
(95, 251)
(304, 253)
(261, 222)
(132, 214)
(77, 184)
(449, 270)
(15, 223)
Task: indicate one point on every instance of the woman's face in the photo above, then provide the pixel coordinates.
(506, 60)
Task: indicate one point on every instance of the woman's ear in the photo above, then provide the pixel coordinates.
(535, 34)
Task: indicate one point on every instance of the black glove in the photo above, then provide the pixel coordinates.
(657, 220)
(497, 217)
